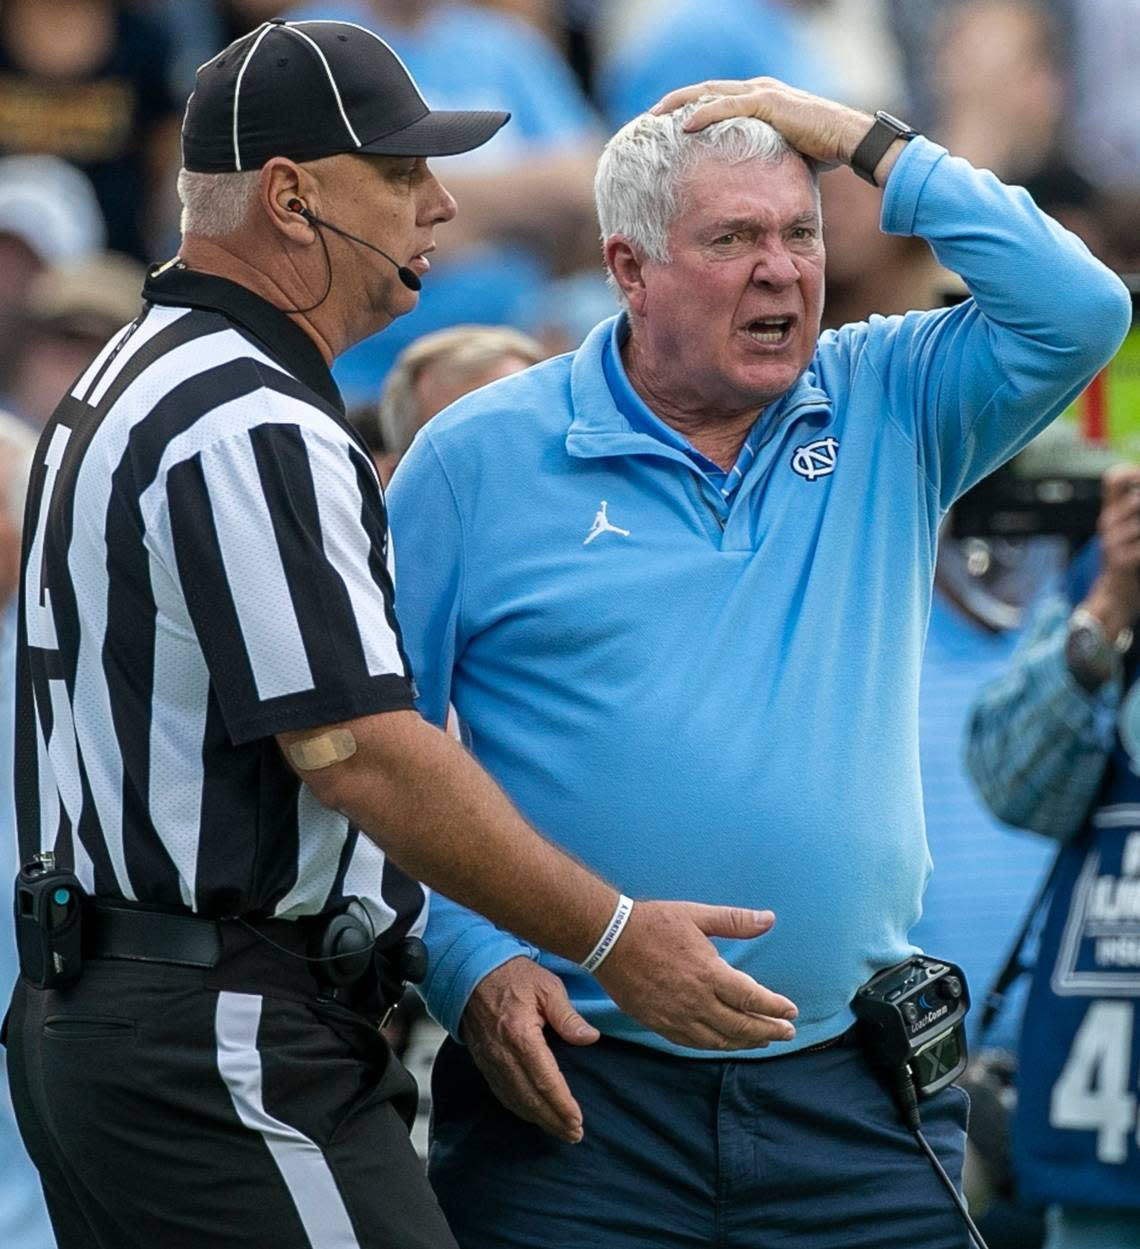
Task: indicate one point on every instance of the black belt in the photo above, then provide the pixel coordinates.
(151, 936)
(118, 930)
(287, 954)
(138, 934)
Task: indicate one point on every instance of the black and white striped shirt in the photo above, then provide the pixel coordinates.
(206, 564)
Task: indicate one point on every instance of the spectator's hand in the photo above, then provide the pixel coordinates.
(665, 972)
(819, 128)
(1115, 596)
(502, 1026)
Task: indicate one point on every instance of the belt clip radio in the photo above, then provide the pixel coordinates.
(911, 1022)
(912, 1027)
(49, 923)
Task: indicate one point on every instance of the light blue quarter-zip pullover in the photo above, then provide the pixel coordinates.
(714, 697)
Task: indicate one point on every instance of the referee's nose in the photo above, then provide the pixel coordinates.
(438, 204)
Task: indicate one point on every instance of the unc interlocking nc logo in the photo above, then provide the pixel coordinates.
(816, 459)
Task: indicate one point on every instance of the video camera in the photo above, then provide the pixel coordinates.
(1053, 486)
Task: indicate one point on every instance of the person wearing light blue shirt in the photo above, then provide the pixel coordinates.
(1053, 745)
(23, 1217)
(676, 585)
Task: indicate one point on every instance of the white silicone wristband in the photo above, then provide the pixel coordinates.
(597, 955)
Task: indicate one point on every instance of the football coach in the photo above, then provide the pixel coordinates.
(676, 585)
(222, 783)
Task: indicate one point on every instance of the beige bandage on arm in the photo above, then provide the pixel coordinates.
(323, 750)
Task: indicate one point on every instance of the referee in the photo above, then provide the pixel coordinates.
(217, 746)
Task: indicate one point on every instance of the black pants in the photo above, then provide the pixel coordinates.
(165, 1110)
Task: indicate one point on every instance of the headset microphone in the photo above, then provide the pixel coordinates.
(408, 276)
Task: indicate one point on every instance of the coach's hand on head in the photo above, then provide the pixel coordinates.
(821, 129)
(421, 797)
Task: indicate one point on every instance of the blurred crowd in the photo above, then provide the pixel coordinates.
(91, 93)
(1044, 92)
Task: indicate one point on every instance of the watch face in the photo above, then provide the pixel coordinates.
(1084, 644)
(1088, 655)
(888, 119)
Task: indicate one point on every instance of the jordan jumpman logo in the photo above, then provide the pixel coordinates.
(602, 525)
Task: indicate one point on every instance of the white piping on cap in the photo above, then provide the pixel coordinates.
(332, 81)
(386, 44)
(265, 29)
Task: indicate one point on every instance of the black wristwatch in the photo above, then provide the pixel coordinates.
(875, 142)
(1089, 655)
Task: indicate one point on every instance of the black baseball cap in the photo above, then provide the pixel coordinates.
(310, 89)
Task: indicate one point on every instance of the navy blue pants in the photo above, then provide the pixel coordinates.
(800, 1152)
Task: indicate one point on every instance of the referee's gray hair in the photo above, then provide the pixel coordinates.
(461, 352)
(17, 448)
(642, 170)
(215, 204)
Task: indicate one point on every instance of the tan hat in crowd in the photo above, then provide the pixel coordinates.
(89, 298)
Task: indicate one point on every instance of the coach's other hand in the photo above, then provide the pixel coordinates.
(503, 1027)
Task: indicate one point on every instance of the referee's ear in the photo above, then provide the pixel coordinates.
(280, 183)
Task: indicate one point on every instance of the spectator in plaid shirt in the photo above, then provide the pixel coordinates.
(1054, 745)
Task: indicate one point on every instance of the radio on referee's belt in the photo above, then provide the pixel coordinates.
(348, 950)
(49, 923)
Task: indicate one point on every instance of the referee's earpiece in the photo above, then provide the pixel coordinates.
(296, 206)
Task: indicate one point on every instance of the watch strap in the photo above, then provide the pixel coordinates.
(873, 146)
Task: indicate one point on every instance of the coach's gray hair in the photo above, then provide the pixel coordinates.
(215, 204)
(642, 170)
(17, 447)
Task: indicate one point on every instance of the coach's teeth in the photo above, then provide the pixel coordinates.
(768, 329)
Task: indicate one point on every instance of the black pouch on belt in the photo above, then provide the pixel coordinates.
(48, 907)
